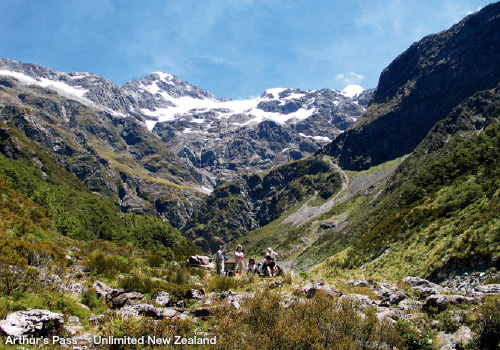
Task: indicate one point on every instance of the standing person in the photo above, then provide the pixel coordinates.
(219, 261)
(238, 259)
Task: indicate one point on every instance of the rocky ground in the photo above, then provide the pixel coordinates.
(447, 307)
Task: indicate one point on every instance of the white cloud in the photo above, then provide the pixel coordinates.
(350, 78)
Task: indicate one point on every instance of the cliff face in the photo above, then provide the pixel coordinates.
(420, 87)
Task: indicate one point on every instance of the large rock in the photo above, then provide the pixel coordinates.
(201, 261)
(310, 289)
(162, 298)
(423, 286)
(441, 302)
(194, 294)
(410, 305)
(127, 299)
(359, 301)
(488, 289)
(389, 294)
(449, 341)
(149, 311)
(31, 323)
(105, 291)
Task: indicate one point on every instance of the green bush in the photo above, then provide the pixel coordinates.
(488, 326)
(91, 299)
(137, 283)
(49, 300)
(102, 263)
(415, 334)
(492, 280)
(224, 283)
(155, 260)
(116, 326)
(304, 275)
(177, 274)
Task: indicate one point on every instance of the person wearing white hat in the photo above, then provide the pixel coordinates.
(272, 253)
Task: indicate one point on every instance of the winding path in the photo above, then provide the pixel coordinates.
(349, 189)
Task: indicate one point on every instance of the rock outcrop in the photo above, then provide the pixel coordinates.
(31, 323)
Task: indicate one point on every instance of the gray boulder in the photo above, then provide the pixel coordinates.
(359, 301)
(310, 289)
(201, 261)
(105, 291)
(31, 323)
(127, 299)
(449, 341)
(360, 283)
(389, 294)
(410, 305)
(162, 298)
(423, 286)
(488, 289)
(194, 294)
(441, 302)
(149, 311)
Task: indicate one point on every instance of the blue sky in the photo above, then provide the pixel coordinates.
(233, 48)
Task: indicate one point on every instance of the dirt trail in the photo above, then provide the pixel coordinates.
(349, 189)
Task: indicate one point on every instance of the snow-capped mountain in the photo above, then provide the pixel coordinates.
(224, 137)
(219, 136)
(164, 97)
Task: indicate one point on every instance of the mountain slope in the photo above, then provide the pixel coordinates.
(99, 131)
(43, 201)
(420, 87)
(372, 217)
(441, 211)
(253, 201)
(113, 154)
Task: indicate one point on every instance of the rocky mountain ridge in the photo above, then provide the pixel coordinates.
(420, 87)
(113, 155)
(99, 131)
(224, 137)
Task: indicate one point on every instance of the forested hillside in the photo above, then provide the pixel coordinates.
(41, 200)
(440, 213)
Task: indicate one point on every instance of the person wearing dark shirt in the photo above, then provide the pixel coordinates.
(269, 267)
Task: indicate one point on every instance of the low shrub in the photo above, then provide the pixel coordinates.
(177, 274)
(224, 283)
(119, 327)
(102, 263)
(91, 299)
(48, 300)
(492, 280)
(304, 275)
(488, 325)
(137, 283)
(415, 334)
(322, 322)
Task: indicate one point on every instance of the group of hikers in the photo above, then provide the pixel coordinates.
(267, 267)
